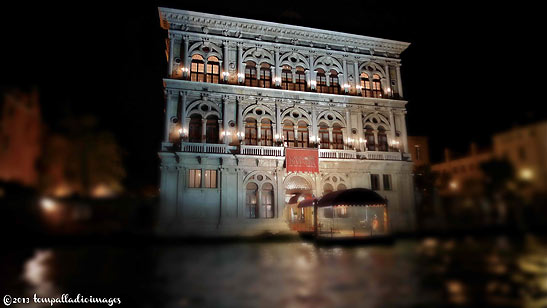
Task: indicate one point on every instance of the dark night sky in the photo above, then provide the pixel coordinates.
(466, 66)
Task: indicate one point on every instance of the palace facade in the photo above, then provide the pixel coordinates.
(260, 115)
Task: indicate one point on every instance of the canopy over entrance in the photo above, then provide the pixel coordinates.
(352, 197)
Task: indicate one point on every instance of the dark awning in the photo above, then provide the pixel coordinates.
(352, 197)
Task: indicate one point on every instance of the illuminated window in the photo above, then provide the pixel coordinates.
(266, 204)
(387, 181)
(194, 131)
(302, 140)
(266, 132)
(300, 80)
(376, 86)
(197, 69)
(213, 70)
(321, 82)
(210, 180)
(288, 133)
(251, 205)
(369, 137)
(324, 136)
(286, 78)
(382, 139)
(250, 74)
(365, 85)
(194, 178)
(374, 182)
(342, 211)
(211, 129)
(337, 137)
(250, 132)
(265, 76)
(334, 86)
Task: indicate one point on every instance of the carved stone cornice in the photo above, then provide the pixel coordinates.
(273, 32)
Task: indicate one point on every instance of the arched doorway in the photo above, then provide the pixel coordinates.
(297, 189)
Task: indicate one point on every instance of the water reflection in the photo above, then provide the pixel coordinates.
(494, 272)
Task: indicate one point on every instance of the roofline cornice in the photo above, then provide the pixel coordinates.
(182, 19)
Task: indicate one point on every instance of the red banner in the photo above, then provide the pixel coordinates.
(302, 160)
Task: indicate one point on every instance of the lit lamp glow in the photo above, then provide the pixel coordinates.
(526, 174)
(47, 204)
(453, 185)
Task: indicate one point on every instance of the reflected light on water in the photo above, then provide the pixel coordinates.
(36, 272)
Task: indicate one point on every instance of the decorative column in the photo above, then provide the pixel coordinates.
(330, 137)
(240, 68)
(277, 67)
(240, 127)
(392, 126)
(399, 83)
(388, 79)
(203, 130)
(278, 120)
(315, 131)
(360, 131)
(403, 132)
(185, 56)
(357, 76)
(171, 51)
(184, 123)
(348, 123)
(226, 62)
(258, 132)
(345, 76)
(224, 117)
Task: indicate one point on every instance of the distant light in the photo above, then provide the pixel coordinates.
(48, 204)
(526, 174)
(453, 185)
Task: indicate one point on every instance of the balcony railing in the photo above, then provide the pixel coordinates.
(376, 155)
(280, 151)
(262, 150)
(339, 154)
(205, 148)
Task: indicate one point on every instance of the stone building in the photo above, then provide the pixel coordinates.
(260, 113)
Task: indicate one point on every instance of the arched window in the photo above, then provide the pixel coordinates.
(288, 133)
(337, 137)
(369, 137)
(251, 204)
(341, 187)
(365, 85)
(327, 188)
(250, 132)
(286, 78)
(194, 129)
(334, 85)
(300, 82)
(211, 129)
(321, 82)
(265, 76)
(213, 70)
(267, 204)
(376, 86)
(382, 139)
(197, 69)
(250, 74)
(324, 135)
(303, 135)
(266, 132)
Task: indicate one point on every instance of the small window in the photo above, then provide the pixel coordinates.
(210, 179)
(374, 182)
(387, 182)
(327, 212)
(194, 178)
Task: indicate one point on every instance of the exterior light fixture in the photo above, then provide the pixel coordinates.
(47, 204)
(526, 174)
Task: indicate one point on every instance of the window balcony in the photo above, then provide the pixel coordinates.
(378, 155)
(272, 151)
(261, 150)
(337, 154)
(214, 148)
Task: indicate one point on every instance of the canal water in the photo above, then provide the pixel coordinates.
(496, 271)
